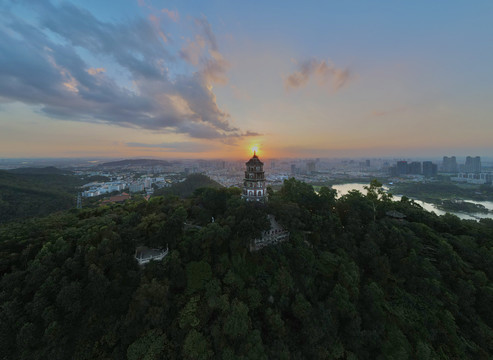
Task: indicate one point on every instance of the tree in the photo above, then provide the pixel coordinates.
(237, 321)
(196, 346)
(376, 194)
(198, 274)
(150, 346)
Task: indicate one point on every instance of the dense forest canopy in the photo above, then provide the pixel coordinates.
(351, 283)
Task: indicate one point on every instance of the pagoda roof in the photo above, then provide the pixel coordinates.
(254, 160)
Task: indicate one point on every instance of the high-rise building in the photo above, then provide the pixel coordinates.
(473, 164)
(254, 181)
(414, 168)
(401, 168)
(429, 169)
(310, 166)
(449, 164)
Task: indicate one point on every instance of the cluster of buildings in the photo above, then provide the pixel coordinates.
(472, 165)
(473, 178)
(425, 168)
(132, 185)
(470, 172)
(306, 168)
(101, 188)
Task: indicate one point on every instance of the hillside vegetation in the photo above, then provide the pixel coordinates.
(351, 283)
(32, 192)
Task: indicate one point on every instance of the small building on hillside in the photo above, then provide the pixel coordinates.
(395, 215)
(275, 235)
(143, 254)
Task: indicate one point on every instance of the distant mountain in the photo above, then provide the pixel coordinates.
(49, 170)
(136, 162)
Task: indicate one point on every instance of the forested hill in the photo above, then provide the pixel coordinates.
(49, 170)
(189, 185)
(29, 192)
(351, 283)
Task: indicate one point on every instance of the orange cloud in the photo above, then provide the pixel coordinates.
(324, 72)
(95, 71)
(172, 15)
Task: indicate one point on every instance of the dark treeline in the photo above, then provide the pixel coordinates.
(351, 283)
(437, 191)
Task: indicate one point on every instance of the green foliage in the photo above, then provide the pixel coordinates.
(196, 346)
(149, 346)
(198, 274)
(351, 283)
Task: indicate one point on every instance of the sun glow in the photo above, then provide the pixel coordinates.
(254, 148)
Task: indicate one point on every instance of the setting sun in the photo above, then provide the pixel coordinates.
(254, 148)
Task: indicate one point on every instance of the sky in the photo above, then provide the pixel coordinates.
(212, 79)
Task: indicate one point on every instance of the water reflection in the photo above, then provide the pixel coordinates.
(345, 188)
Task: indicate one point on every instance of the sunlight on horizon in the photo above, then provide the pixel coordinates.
(254, 149)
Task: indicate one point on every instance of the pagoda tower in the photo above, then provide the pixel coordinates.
(254, 182)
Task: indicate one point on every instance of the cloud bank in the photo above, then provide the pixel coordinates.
(49, 62)
(183, 146)
(322, 71)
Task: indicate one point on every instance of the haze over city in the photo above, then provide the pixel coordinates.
(213, 79)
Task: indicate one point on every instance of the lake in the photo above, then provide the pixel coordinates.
(343, 189)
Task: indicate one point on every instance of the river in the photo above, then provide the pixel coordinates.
(345, 188)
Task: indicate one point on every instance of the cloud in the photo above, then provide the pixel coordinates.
(44, 63)
(193, 50)
(95, 71)
(184, 146)
(203, 51)
(172, 15)
(206, 30)
(322, 71)
(214, 69)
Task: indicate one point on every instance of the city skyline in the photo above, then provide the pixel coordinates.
(191, 80)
